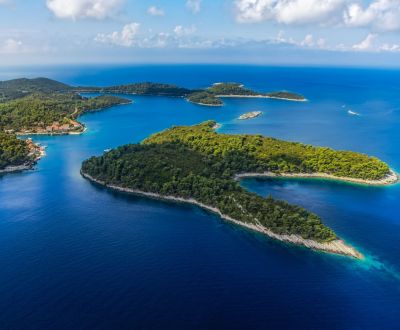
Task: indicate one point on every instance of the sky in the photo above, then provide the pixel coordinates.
(282, 32)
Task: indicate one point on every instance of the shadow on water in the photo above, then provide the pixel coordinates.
(306, 192)
(370, 262)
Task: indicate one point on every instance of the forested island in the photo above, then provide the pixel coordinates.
(46, 106)
(210, 96)
(195, 164)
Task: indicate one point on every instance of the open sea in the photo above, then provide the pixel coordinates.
(76, 256)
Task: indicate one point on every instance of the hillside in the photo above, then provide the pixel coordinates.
(36, 112)
(255, 153)
(16, 88)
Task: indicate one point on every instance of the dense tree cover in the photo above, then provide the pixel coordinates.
(204, 98)
(230, 89)
(17, 88)
(210, 96)
(40, 110)
(286, 95)
(196, 162)
(12, 151)
(148, 88)
(256, 153)
(222, 89)
(173, 169)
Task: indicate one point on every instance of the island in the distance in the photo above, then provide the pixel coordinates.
(194, 164)
(250, 115)
(212, 95)
(45, 106)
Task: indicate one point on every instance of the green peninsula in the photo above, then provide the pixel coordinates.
(51, 113)
(45, 106)
(194, 164)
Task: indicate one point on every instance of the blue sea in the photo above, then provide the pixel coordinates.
(76, 256)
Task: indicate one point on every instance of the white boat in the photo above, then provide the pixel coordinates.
(353, 113)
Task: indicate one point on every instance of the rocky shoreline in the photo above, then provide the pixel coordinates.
(390, 178)
(37, 152)
(260, 96)
(336, 247)
(205, 104)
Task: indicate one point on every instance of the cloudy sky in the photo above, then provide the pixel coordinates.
(334, 32)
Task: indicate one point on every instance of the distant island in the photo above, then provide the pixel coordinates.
(194, 164)
(210, 96)
(250, 115)
(43, 106)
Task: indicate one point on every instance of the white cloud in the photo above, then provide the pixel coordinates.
(125, 37)
(11, 46)
(380, 15)
(288, 11)
(75, 9)
(308, 41)
(194, 5)
(180, 31)
(179, 37)
(155, 11)
(390, 47)
(367, 43)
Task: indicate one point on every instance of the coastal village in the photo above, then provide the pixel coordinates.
(69, 126)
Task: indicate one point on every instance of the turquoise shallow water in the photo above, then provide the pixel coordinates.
(73, 255)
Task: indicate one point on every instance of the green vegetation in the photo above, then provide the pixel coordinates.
(204, 98)
(255, 153)
(222, 89)
(196, 162)
(208, 96)
(286, 95)
(175, 170)
(13, 152)
(37, 111)
(17, 88)
(148, 88)
(212, 95)
(43, 106)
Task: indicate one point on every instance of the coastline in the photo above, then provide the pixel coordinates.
(17, 168)
(72, 132)
(335, 247)
(216, 126)
(390, 178)
(260, 96)
(38, 151)
(53, 133)
(205, 104)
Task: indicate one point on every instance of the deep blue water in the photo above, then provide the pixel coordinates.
(74, 255)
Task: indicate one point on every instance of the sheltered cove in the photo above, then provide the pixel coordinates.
(194, 164)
